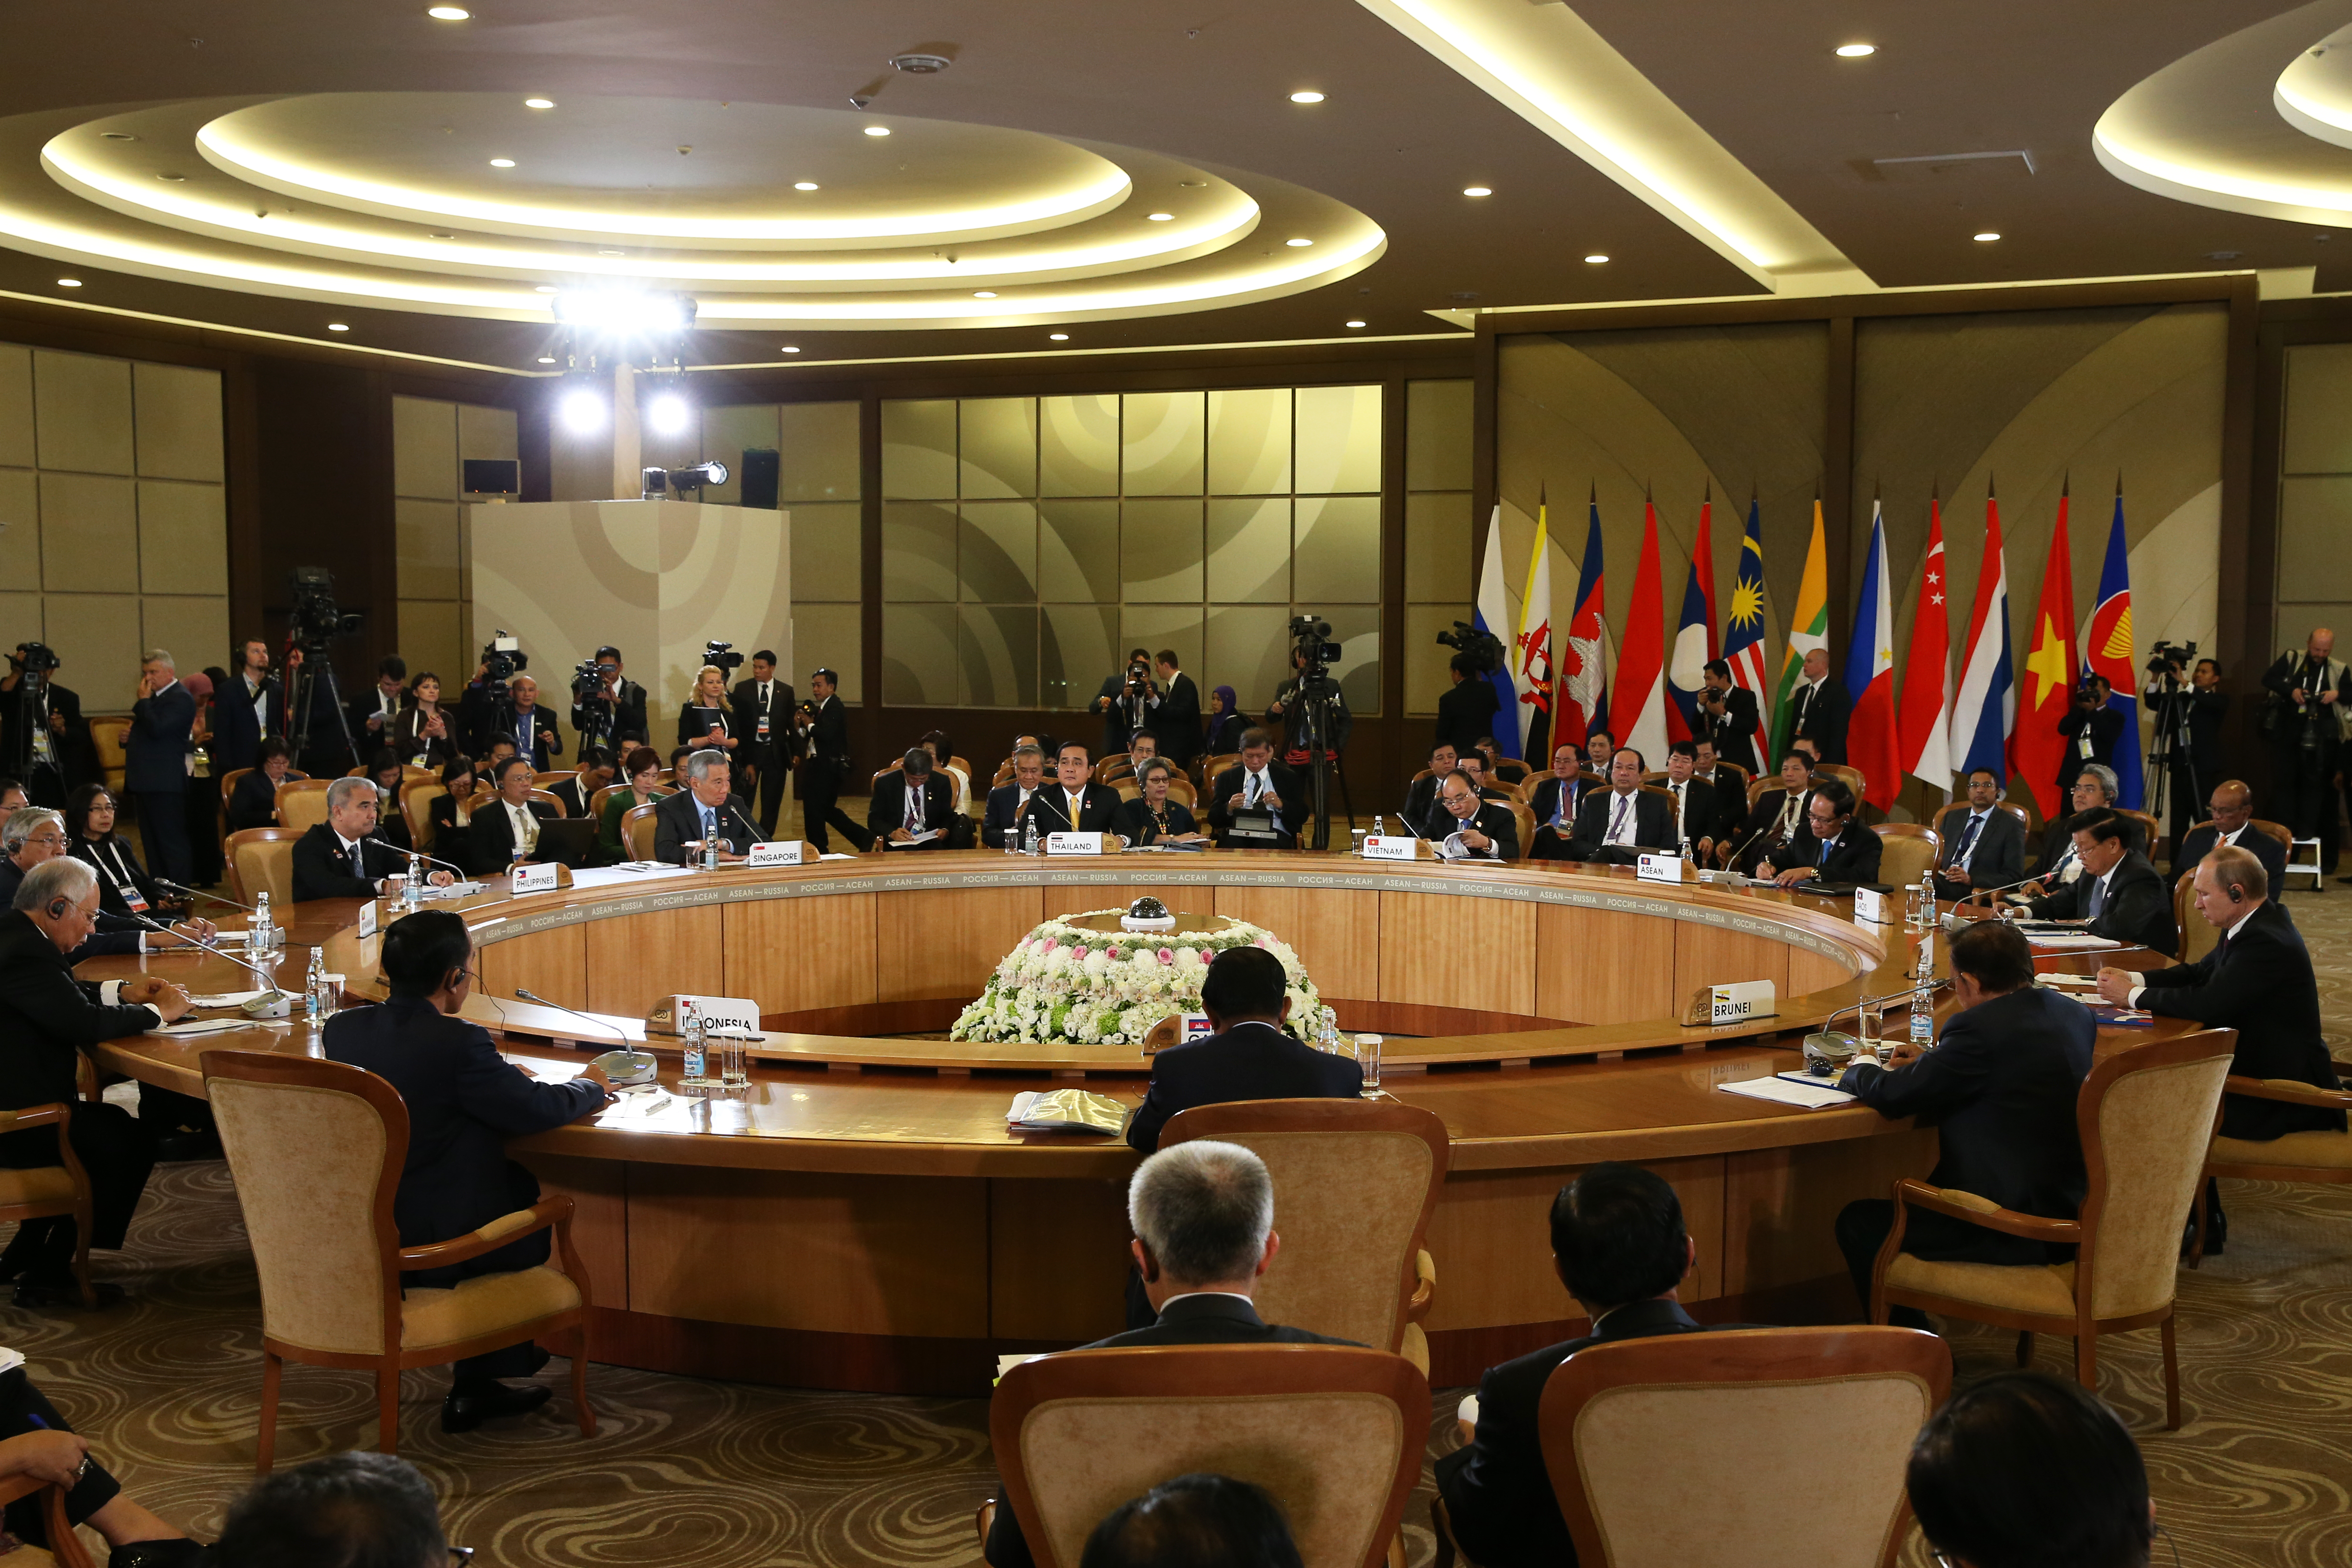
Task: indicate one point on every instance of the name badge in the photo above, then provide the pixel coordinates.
(535, 879)
(1389, 848)
(764, 727)
(367, 919)
(1870, 906)
(1660, 868)
(1074, 843)
(772, 852)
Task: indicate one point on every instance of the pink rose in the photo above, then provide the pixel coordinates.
(1050, 946)
(1114, 952)
(1078, 955)
(1166, 956)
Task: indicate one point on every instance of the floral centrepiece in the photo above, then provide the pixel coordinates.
(1069, 984)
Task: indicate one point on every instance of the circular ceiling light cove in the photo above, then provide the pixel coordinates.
(448, 13)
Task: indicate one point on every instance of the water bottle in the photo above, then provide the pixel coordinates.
(1327, 1037)
(261, 934)
(314, 983)
(1379, 828)
(1029, 836)
(689, 1029)
(711, 851)
(411, 886)
(1926, 900)
(1922, 994)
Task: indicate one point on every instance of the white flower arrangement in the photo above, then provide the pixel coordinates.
(1067, 984)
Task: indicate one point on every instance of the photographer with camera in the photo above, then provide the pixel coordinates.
(1127, 701)
(607, 708)
(1470, 709)
(825, 723)
(2092, 728)
(1728, 717)
(769, 742)
(47, 744)
(2304, 718)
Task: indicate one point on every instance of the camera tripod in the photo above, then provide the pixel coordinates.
(1321, 761)
(314, 669)
(2169, 748)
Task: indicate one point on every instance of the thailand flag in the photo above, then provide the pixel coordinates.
(1583, 685)
(1986, 705)
(1871, 743)
(1743, 635)
(1695, 637)
(1493, 615)
(2107, 649)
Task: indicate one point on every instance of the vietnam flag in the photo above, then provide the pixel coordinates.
(1639, 704)
(2035, 747)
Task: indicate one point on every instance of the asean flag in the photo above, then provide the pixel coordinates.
(2107, 649)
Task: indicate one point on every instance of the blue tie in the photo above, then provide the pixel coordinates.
(2098, 896)
(710, 824)
(1967, 838)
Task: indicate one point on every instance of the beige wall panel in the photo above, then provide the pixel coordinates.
(182, 537)
(82, 412)
(195, 627)
(1780, 1205)
(2319, 409)
(1706, 957)
(427, 539)
(554, 963)
(1338, 439)
(1437, 435)
(1597, 967)
(484, 430)
(827, 637)
(97, 636)
(1337, 935)
(1057, 1259)
(636, 960)
(89, 533)
(1427, 661)
(20, 542)
(1420, 934)
(789, 955)
(838, 1254)
(921, 955)
(817, 453)
(20, 622)
(16, 444)
(2315, 519)
(433, 638)
(726, 572)
(424, 448)
(178, 410)
(828, 560)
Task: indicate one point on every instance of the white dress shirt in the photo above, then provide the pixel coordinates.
(1621, 818)
(525, 825)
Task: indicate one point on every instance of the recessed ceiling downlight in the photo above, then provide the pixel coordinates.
(878, 131)
(1986, 237)
(539, 104)
(1307, 97)
(1477, 190)
(448, 13)
(501, 162)
(803, 184)
(68, 283)
(1300, 244)
(1855, 51)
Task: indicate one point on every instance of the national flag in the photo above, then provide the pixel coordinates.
(1695, 637)
(1492, 614)
(2107, 649)
(1925, 729)
(1640, 703)
(1743, 632)
(1531, 650)
(2035, 747)
(1583, 705)
(1986, 708)
(1809, 628)
(1870, 738)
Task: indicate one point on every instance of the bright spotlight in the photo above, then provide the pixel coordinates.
(581, 411)
(621, 312)
(668, 414)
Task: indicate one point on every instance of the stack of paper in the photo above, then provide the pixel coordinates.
(1782, 1092)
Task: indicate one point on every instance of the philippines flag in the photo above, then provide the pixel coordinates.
(2107, 649)
(1743, 634)
(1695, 637)
(1870, 740)
(1583, 705)
(1927, 716)
(1640, 704)
(1986, 705)
(1492, 614)
(1531, 654)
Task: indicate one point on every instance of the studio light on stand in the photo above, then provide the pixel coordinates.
(657, 481)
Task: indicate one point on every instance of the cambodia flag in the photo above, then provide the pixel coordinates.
(2035, 747)
(1925, 720)
(1870, 743)
(1582, 705)
(2107, 649)
(1987, 705)
(1640, 705)
(1695, 637)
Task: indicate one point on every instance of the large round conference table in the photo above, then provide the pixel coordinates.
(862, 1216)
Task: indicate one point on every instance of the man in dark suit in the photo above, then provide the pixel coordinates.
(1421, 795)
(1728, 717)
(2094, 787)
(371, 714)
(2119, 893)
(1178, 721)
(1984, 846)
(1467, 712)
(1729, 783)
(341, 857)
(999, 826)
(1249, 1057)
(1695, 812)
(1615, 825)
(247, 711)
(704, 808)
(1821, 710)
(36, 834)
(1618, 1244)
(509, 817)
(595, 771)
(1555, 801)
(913, 798)
(1122, 709)
(1073, 803)
(538, 738)
(1777, 821)
(46, 1019)
(766, 741)
(1470, 827)
(2234, 814)
(1259, 784)
(2000, 1088)
(155, 763)
(51, 746)
(613, 716)
(827, 725)
(2091, 728)
(1203, 1219)
(1835, 846)
(2310, 692)
(464, 1102)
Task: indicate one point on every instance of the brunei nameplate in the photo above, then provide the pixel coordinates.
(1711, 1006)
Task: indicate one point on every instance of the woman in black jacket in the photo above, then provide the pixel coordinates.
(391, 823)
(450, 842)
(123, 885)
(254, 802)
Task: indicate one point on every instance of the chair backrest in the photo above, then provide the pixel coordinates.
(1128, 790)
(417, 798)
(547, 797)
(549, 780)
(596, 802)
(315, 1149)
(1336, 1433)
(1118, 765)
(1525, 816)
(1355, 1182)
(302, 802)
(1853, 777)
(882, 773)
(1906, 849)
(1509, 770)
(2023, 819)
(2146, 1116)
(110, 736)
(1704, 1450)
(637, 831)
(1743, 775)
(2149, 829)
(2198, 937)
(228, 783)
(1214, 766)
(1003, 775)
(261, 860)
(2278, 832)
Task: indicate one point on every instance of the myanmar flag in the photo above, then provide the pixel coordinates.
(1809, 628)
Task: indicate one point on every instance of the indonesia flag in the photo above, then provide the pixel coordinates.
(1640, 703)
(1925, 730)
(1583, 705)
(2107, 649)
(2051, 665)
(1986, 705)
(1493, 615)
(1695, 638)
(1870, 740)
(1743, 634)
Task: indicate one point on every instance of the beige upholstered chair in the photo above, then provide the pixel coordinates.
(417, 798)
(1524, 816)
(41, 1191)
(2147, 1117)
(1906, 849)
(261, 860)
(302, 802)
(1853, 777)
(546, 798)
(1355, 1182)
(1808, 1429)
(112, 736)
(316, 1149)
(1334, 1432)
(637, 831)
(2199, 936)
(2312, 1156)
(65, 1550)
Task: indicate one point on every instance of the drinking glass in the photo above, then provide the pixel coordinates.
(1368, 1057)
(1870, 1030)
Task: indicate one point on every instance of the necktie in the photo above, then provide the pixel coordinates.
(710, 824)
(359, 862)
(2098, 896)
(1821, 850)
(914, 808)
(1968, 842)
(1617, 818)
(1678, 812)
(1075, 809)
(523, 735)
(1256, 781)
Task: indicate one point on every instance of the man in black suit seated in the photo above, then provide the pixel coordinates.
(2120, 894)
(1259, 784)
(464, 1102)
(1616, 825)
(1000, 828)
(2257, 980)
(706, 808)
(1437, 822)
(1777, 818)
(1836, 847)
(912, 799)
(2094, 787)
(573, 794)
(1421, 797)
(1984, 846)
(1249, 1057)
(1469, 826)
(1202, 1213)
(34, 834)
(1729, 783)
(341, 857)
(1696, 811)
(504, 831)
(2000, 1088)
(1554, 801)
(1073, 803)
(2233, 813)
(1618, 1244)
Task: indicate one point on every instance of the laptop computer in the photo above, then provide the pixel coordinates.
(571, 840)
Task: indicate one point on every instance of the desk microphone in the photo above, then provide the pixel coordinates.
(757, 836)
(625, 1066)
(170, 886)
(276, 1004)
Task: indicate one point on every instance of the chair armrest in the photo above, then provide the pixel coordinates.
(1969, 1206)
(547, 1211)
(2290, 1090)
(36, 1116)
(984, 1520)
(1424, 1269)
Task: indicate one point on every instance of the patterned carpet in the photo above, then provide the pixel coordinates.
(726, 1475)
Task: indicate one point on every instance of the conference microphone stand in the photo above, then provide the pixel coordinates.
(276, 1004)
(635, 1065)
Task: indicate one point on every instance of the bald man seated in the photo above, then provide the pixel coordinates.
(2231, 823)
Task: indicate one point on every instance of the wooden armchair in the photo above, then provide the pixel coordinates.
(261, 860)
(43, 1191)
(302, 802)
(2146, 1118)
(2313, 1156)
(417, 798)
(316, 1149)
(1906, 849)
(64, 1549)
(637, 831)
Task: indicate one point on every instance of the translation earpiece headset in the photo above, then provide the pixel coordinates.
(56, 909)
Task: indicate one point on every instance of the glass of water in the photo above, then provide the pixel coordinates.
(1368, 1057)
(734, 1069)
(1870, 1030)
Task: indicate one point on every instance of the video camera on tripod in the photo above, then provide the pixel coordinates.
(2170, 661)
(28, 728)
(1475, 643)
(313, 621)
(722, 658)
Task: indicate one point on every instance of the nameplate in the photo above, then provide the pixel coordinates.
(1660, 868)
(1194, 1026)
(367, 920)
(1870, 906)
(535, 879)
(1712, 1005)
(716, 1013)
(1075, 843)
(787, 851)
(1393, 848)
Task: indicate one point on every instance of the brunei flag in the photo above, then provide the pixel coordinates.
(2107, 649)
